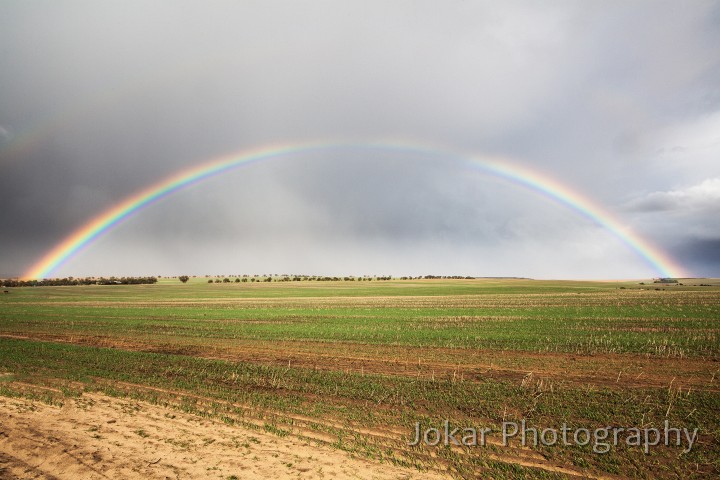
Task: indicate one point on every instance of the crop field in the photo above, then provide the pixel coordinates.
(355, 368)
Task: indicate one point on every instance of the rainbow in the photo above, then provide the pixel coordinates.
(542, 184)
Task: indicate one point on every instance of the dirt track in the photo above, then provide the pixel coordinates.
(96, 436)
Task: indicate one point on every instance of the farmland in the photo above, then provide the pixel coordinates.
(356, 365)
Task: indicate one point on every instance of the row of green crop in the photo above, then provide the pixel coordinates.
(670, 331)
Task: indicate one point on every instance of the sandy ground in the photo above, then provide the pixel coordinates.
(96, 436)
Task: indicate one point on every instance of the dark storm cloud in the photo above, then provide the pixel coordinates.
(100, 99)
(685, 219)
(702, 255)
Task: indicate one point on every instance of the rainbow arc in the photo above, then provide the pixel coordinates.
(662, 263)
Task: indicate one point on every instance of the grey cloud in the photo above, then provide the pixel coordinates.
(103, 99)
(704, 196)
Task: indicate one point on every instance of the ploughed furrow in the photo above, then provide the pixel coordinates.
(455, 364)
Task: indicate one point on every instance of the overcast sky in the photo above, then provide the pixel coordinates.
(618, 100)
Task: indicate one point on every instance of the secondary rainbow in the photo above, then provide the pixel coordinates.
(85, 235)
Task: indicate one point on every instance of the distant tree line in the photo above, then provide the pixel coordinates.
(71, 281)
(291, 278)
(452, 277)
(315, 278)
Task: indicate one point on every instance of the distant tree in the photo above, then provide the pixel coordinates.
(183, 278)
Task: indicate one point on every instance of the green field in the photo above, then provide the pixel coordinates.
(357, 364)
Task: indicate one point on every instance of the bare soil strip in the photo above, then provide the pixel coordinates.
(87, 409)
(98, 437)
